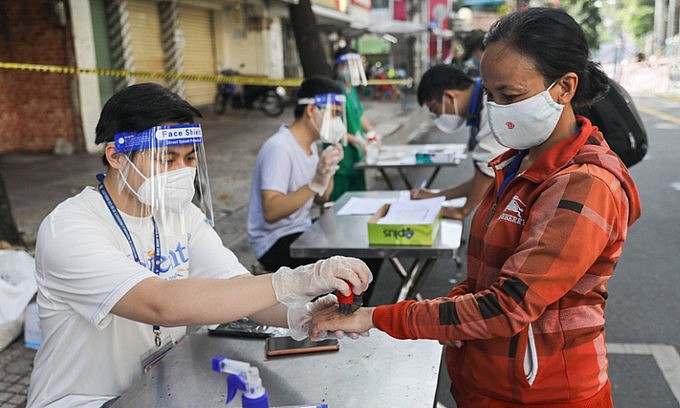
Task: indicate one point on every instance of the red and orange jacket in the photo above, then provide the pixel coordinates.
(539, 258)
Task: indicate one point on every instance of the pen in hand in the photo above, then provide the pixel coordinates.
(421, 186)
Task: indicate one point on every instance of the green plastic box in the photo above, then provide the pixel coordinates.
(401, 234)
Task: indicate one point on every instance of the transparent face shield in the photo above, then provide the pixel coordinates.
(351, 69)
(165, 168)
(333, 125)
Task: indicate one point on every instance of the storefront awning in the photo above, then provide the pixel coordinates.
(482, 2)
(327, 15)
(396, 27)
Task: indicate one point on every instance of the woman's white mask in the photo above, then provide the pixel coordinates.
(171, 190)
(527, 123)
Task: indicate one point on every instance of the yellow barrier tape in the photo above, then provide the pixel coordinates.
(242, 80)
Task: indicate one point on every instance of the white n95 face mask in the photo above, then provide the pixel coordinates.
(447, 122)
(171, 190)
(525, 124)
(333, 130)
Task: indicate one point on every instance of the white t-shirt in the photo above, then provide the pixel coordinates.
(487, 148)
(282, 165)
(84, 266)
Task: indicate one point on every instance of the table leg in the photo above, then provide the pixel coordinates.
(413, 279)
(432, 177)
(387, 179)
(403, 177)
(420, 278)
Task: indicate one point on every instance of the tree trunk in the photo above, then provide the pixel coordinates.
(309, 47)
(8, 228)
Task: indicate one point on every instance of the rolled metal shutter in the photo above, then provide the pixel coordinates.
(145, 32)
(199, 52)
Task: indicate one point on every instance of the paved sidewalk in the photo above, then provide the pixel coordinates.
(38, 182)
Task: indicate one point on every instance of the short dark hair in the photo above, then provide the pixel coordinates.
(439, 78)
(472, 42)
(313, 86)
(140, 107)
(556, 44)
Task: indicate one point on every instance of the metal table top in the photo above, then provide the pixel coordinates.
(347, 235)
(372, 371)
(404, 155)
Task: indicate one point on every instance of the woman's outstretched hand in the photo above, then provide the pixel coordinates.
(331, 320)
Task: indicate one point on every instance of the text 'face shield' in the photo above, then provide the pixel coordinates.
(333, 128)
(166, 169)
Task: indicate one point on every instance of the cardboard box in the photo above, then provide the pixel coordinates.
(401, 234)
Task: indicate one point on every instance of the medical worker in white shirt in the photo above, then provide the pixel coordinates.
(123, 266)
(291, 173)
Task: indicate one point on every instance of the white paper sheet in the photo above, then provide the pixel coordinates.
(413, 211)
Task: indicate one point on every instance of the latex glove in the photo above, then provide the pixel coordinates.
(306, 282)
(300, 316)
(359, 142)
(326, 168)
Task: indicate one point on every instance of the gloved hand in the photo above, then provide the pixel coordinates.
(300, 316)
(326, 168)
(306, 282)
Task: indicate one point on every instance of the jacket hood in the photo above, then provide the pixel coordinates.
(596, 151)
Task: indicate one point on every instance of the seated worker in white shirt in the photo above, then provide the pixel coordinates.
(124, 266)
(290, 173)
(457, 100)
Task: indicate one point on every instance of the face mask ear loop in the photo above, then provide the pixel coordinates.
(443, 104)
(125, 178)
(317, 127)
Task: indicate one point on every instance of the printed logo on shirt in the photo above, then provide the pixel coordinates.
(514, 212)
(174, 265)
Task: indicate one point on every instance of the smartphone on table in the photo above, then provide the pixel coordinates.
(278, 346)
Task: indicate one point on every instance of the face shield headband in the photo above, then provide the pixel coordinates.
(169, 169)
(354, 72)
(333, 128)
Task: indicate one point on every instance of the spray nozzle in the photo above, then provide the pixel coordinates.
(242, 377)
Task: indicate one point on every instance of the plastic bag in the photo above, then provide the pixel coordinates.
(17, 288)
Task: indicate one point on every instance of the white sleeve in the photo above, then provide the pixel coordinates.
(487, 149)
(275, 168)
(80, 265)
(209, 257)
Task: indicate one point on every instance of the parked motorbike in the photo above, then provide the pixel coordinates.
(268, 99)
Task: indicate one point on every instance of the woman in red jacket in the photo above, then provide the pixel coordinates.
(526, 327)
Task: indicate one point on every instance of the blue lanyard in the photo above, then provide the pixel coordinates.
(511, 171)
(474, 113)
(121, 224)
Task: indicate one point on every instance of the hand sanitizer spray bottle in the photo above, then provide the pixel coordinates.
(245, 378)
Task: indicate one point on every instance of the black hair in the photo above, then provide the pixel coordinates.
(140, 107)
(472, 42)
(556, 44)
(313, 86)
(439, 78)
